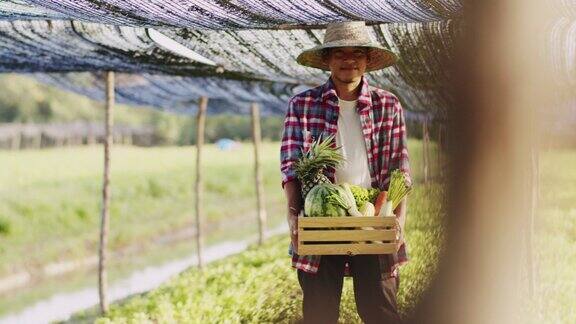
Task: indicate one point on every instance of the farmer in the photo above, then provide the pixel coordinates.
(368, 123)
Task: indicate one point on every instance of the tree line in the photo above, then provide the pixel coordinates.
(24, 100)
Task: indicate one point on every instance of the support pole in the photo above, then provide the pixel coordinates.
(256, 136)
(200, 123)
(104, 220)
(426, 149)
(37, 141)
(440, 151)
(16, 140)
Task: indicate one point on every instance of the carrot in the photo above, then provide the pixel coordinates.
(380, 201)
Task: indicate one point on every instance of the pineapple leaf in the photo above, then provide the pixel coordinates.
(320, 156)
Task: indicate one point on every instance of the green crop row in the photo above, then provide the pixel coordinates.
(259, 286)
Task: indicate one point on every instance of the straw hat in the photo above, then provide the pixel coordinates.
(344, 34)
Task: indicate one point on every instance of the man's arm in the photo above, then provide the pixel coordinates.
(294, 206)
(292, 141)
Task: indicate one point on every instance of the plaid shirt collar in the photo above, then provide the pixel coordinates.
(330, 97)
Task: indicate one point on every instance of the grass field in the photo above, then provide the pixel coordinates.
(50, 205)
(49, 211)
(555, 239)
(50, 199)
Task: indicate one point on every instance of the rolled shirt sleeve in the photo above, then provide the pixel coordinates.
(399, 158)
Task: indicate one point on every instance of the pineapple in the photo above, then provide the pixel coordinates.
(310, 167)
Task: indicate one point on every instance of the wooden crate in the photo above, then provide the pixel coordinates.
(346, 236)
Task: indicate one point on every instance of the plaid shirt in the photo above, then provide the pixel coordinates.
(314, 113)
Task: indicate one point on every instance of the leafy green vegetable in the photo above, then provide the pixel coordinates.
(347, 195)
(399, 188)
(363, 195)
(372, 194)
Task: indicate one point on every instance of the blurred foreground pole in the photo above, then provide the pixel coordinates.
(261, 210)
(104, 220)
(200, 122)
(499, 79)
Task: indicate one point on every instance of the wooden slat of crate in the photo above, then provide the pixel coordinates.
(347, 235)
(350, 249)
(350, 221)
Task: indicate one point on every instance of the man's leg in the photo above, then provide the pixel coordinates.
(375, 295)
(322, 291)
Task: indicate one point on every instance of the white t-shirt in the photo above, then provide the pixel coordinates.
(354, 170)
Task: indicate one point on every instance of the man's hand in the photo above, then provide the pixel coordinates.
(400, 217)
(293, 225)
(399, 233)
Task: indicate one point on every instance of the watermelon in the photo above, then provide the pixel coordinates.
(324, 200)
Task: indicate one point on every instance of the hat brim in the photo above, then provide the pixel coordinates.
(380, 57)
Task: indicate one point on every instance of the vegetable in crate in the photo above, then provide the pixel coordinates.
(362, 195)
(311, 165)
(368, 209)
(372, 195)
(380, 201)
(325, 200)
(399, 188)
(346, 193)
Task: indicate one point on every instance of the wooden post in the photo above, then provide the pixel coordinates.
(37, 139)
(426, 148)
(16, 141)
(201, 120)
(104, 221)
(91, 139)
(260, 205)
(440, 151)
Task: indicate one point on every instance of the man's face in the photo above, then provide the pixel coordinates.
(347, 64)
